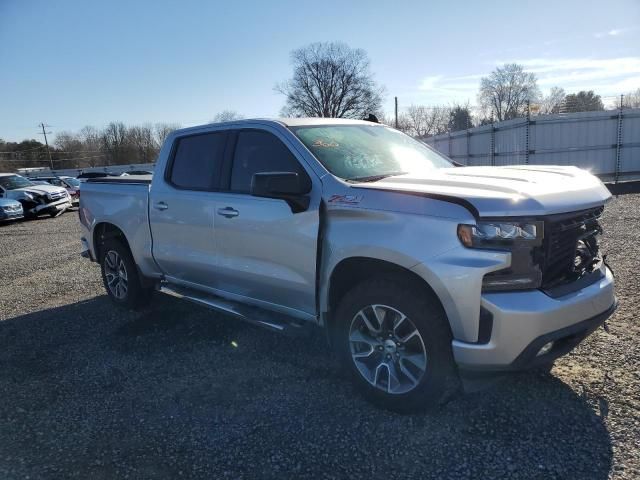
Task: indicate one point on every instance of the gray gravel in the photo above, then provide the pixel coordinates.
(87, 391)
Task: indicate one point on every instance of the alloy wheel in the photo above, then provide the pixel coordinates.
(387, 349)
(115, 272)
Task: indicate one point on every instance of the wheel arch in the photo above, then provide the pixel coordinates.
(104, 231)
(352, 270)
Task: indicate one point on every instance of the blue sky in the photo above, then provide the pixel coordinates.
(72, 63)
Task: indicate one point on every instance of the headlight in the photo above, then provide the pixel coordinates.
(497, 234)
(521, 239)
(27, 196)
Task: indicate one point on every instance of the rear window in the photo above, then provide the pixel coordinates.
(197, 161)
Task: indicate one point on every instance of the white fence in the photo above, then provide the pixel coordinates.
(606, 143)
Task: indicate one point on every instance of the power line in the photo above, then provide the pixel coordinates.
(46, 142)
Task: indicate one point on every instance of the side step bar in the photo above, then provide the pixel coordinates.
(263, 318)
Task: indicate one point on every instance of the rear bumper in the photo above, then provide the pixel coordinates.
(524, 322)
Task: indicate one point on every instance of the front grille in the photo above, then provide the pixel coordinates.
(56, 195)
(570, 246)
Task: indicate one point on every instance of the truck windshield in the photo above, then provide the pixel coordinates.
(368, 152)
(12, 182)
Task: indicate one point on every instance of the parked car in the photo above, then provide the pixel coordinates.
(35, 199)
(10, 210)
(86, 175)
(70, 184)
(418, 271)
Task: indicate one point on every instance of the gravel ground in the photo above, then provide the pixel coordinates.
(88, 391)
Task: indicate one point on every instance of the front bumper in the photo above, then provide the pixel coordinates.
(8, 216)
(523, 322)
(57, 205)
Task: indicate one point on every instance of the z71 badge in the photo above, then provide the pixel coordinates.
(345, 199)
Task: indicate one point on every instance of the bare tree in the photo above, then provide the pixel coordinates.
(142, 140)
(92, 151)
(506, 90)
(69, 147)
(551, 103)
(404, 124)
(227, 116)
(632, 99)
(162, 130)
(115, 142)
(330, 80)
(427, 120)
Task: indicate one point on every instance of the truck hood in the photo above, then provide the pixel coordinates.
(525, 190)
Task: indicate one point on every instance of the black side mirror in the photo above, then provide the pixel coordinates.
(289, 186)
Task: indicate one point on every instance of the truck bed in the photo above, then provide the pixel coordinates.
(144, 179)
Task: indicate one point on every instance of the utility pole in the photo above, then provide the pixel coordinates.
(396, 98)
(47, 143)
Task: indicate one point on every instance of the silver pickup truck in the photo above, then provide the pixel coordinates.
(419, 271)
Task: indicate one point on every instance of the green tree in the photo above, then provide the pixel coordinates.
(582, 101)
(459, 118)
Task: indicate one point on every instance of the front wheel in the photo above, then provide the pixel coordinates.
(120, 276)
(395, 339)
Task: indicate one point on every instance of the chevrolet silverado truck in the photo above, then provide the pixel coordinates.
(419, 271)
(35, 199)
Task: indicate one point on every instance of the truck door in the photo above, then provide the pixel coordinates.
(182, 206)
(266, 252)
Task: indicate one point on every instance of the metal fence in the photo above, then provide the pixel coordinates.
(606, 143)
(74, 172)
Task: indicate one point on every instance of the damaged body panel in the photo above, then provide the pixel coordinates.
(35, 199)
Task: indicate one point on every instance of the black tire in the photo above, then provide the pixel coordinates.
(439, 380)
(544, 369)
(136, 294)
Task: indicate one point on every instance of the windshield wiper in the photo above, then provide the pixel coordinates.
(374, 178)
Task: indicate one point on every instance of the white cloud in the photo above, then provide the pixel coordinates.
(614, 32)
(440, 89)
(606, 76)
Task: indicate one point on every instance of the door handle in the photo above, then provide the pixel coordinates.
(228, 212)
(160, 206)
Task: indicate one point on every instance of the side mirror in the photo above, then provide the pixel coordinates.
(289, 186)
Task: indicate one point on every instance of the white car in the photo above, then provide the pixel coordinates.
(35, 199)
(70, 184)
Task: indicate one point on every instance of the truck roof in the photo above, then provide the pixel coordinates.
(287, 122)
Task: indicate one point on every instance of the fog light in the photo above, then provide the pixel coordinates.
(545, 349)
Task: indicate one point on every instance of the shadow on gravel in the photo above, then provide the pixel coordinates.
(624, 188)
(89, 391)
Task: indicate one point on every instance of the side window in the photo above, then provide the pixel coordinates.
(197, 161)
(256, 152)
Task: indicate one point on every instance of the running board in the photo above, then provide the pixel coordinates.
(263, 318)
